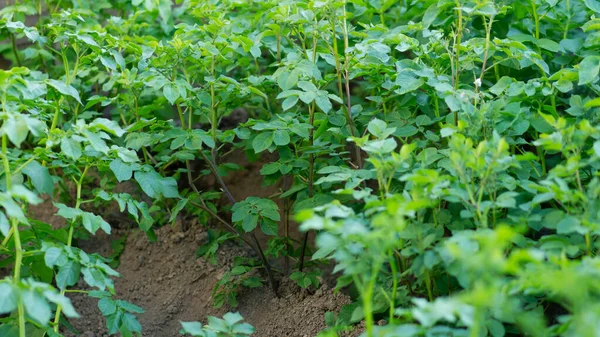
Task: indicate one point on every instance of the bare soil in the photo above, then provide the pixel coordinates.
(172, 284)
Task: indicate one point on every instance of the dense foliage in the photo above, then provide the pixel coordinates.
(445, 152)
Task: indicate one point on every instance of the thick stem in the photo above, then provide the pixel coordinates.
(428, 285)
(367, 297)
(15, 50)
(568, 6)
(257, 247)
(278, 48)
(215, 172)
(536, 19)
(311, 165)
(357, 152)
(180, 113)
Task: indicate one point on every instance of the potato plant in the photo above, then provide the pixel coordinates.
(444, 153)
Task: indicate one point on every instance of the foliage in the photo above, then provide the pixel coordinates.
(231, 325)
(445, 152)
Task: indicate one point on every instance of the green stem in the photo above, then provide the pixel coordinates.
(367, 298)
(311, 166)
(428, 285)
(213, 111)
(357, 152)
(394, 270)
(17, 237)
(15, 50)
(536, 18)
(542, 158)
(70, 242)
(588, 244)
(180, 113)
(476, 324)
(457, 44)
(568, 23)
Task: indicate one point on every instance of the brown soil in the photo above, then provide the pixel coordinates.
(172, 284)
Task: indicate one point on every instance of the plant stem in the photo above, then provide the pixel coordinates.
(347, 86)
(428, 285)
(488, 33)
(257, 248)
(286, 227)
(536, 18)
(394, 270)
(17, 237)
(278, 48)
(79, 184)
(457, 43)
(311, 166)
(311, 140)
(367, 298)
(568, 6)
(213, 110)
(180, 113)
(15, 50)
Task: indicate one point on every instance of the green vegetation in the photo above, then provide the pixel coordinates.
(446, 154)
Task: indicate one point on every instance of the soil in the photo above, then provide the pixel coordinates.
(172, 285)
(168, 280)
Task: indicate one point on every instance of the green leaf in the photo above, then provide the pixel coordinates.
(131, 323)
(171, 93)
(250, 222)
(64, 89)
(92, 223)
(593, 5)
(155, 186)
(287, 80)
(289, 102)
(8, 298)
(192, 328)
(16, 129)
(323, 103)
(270, 168)
(71, 148)
(66, 211)
(68, 274)
(301, 130)
(549, 45)
(594, 103)
(113, 322)
(54, 256)
(503, 84)
(262, 141)
(121, 170)
(40, 177)
(281, 137)
(180, 205)
(130, 307)
(4, 224)
(36, 306)
(496, 328)
(570, 224)
(589, 69)
(269, 227)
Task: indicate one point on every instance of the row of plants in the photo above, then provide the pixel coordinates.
(446, 153)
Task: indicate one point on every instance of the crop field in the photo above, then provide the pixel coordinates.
(299, 168)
